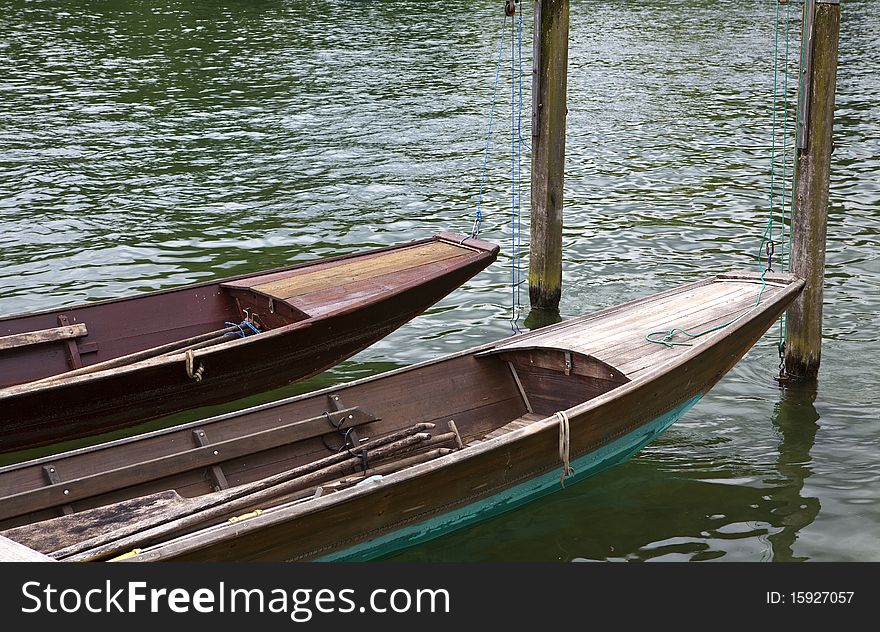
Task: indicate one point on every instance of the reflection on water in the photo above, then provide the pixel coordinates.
(795, 417)
(664, 506)
(146, 145)
(538, 318)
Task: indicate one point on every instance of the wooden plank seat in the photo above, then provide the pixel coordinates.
(203, 455)
(42, 336)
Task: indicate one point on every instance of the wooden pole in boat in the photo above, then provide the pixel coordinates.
(803, 332)
(549, 110)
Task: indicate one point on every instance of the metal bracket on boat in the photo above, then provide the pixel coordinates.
(216, 472)
(567, 369)
(350, 438)
(70, 345)
(335, 402)
(51, 473)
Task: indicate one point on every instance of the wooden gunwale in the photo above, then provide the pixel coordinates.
(94, 484)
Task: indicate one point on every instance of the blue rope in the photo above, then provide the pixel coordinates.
(516, 143)
(478, 220)
(252, 326)
(667, 337)
(241, 332)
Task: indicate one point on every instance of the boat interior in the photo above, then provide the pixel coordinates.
(333, 439)
(106, 334)
(472, 399)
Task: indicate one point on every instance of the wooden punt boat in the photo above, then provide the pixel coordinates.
(361, 469)
(83, 370)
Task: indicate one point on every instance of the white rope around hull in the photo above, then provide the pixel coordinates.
(564, 446)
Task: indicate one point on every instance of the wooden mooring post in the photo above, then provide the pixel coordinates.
(803, 332)
(549, 110)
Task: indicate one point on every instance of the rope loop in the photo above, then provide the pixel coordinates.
(564, 446)
(192, 372)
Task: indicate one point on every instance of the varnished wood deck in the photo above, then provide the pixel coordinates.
(618, 336)
(326, 287)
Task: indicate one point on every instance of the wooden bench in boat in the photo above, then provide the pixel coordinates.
(61, 493)
(543, 374)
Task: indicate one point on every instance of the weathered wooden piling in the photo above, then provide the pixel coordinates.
(549, 110)
(803, 336)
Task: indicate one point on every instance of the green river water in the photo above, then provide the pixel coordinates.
(150, 143)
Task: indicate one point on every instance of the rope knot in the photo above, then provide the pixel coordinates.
(191, 371)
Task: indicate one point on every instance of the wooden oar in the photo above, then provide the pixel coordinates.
(234, 499)
(199, 516)
(57, 533)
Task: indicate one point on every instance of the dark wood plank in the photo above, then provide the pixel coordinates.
(57, 533)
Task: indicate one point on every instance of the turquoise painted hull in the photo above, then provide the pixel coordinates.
(584, 467)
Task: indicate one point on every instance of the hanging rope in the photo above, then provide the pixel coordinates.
(516, 109)
(478, 219)
(766, 250)
(193, 372)
(785, 263)
(516, 145)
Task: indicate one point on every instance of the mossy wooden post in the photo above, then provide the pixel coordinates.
(549, 87)
(803, 344)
